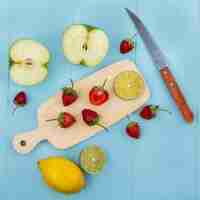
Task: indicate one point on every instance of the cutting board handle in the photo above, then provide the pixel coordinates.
(26, 142)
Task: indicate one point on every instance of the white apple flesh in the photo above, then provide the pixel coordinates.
(85, 45)
(28, 62)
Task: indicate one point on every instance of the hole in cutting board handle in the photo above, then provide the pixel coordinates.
(23, 143)
(26, 142)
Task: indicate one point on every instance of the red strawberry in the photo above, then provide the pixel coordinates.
(20, 100)
(69, 95)
(126, 46)
(133, 130)
(91, 118)
(65, 120)
(150, 111)
(98, 95)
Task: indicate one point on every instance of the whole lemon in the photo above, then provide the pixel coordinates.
(62, 175)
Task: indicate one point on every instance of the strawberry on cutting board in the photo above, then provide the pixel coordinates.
(69, 95)
(98, 95)
(92, 118)
(65, 120)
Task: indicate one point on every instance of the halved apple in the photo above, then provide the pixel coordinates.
(84, 44)
(28, 62)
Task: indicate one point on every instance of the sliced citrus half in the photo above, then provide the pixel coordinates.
(92, 159)
(128, 85)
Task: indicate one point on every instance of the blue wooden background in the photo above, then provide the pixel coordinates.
(164, 163)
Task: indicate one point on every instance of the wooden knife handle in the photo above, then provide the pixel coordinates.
(177, 94)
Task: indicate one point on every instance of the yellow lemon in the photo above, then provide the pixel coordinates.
(128, 85)
(62, 175)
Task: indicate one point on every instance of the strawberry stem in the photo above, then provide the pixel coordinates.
(14, 110)
(49, 120)
(102, 126)
(72, 83)
(128, 117)
(165, 110)
(104, 83)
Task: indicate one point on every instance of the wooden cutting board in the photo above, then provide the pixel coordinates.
(111, 112)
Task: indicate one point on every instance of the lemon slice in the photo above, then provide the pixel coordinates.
(92, 159)
(128, 85)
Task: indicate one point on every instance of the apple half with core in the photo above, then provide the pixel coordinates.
(84, 44)
(28, 62)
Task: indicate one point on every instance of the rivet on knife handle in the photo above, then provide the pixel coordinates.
(177, 94)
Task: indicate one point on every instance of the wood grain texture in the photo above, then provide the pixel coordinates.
(177, 95)
(111, 112)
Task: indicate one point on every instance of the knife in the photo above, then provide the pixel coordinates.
(162, 65)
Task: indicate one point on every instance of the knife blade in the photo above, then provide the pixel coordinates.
(162, 64)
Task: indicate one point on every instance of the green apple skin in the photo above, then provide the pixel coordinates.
(82, 34)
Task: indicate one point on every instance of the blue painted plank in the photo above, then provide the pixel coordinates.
(165, 163)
